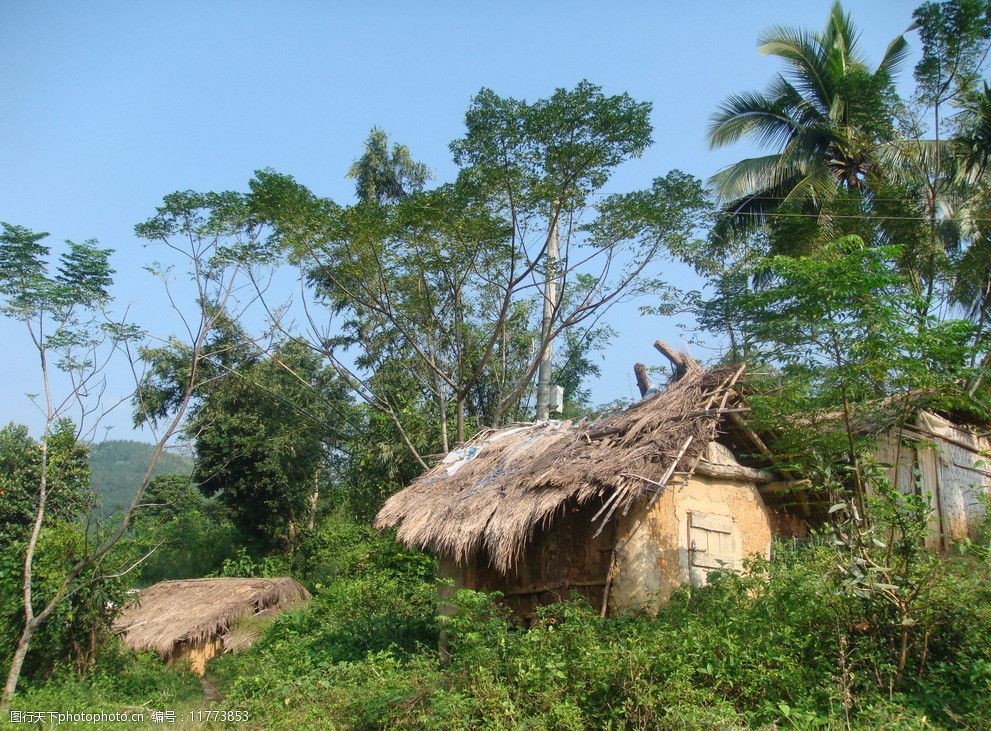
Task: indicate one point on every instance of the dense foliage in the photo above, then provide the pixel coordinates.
(81, 624)
(850, 267)
(117, 466)
(786, 644)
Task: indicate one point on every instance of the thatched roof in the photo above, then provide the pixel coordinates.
(173, 613)
(497, 489)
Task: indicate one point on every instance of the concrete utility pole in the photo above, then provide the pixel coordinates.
(547, 324)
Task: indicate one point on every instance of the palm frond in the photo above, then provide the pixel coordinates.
(749, 113)
(840, 37)
(804, 55)
(749, 177)
(897, 51)
(816, 186)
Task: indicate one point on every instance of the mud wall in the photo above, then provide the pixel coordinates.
(565, 557)
(654, 551)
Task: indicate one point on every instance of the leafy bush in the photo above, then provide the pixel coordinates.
(190, 534)
(120, 680)
(370, 595)
(782, 646)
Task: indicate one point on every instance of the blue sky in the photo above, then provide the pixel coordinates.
(108, 106)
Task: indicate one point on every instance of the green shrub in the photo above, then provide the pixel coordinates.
(783, 646)
(79, 626)
(780, 647)
(120, 680)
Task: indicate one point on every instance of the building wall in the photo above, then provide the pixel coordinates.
(653, 550)
(198, 654)
(948, 465)
(566, 557)
(689, 531)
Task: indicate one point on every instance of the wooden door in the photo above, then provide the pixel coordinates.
(712, 544)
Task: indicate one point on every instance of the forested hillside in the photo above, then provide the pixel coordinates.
(117, 467)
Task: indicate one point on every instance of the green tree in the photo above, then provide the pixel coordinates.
(955, 35)
(434, 293)
(264, 428)
(60, 312)
(186, 534)
(78, 623)
(824, 120)
(838, 331)
(69, 494)
(264, 438)
(973, 142)
(382, 175)
(930, 167)
(63, 308)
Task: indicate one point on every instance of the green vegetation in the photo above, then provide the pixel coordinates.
(849, 267)
(118, 465)
(787, 644)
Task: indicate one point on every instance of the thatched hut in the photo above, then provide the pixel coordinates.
(622, 510)
(944, 458)
(194, 618)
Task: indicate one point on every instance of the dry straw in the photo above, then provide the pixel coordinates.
(503, 485)
(172, 615)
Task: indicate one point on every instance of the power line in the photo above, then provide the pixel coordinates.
(837, 215)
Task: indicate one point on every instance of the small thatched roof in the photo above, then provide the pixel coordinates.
(175, 613)
(498, 488)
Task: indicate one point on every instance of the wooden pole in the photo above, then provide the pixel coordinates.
(547, 325)
(643, 380)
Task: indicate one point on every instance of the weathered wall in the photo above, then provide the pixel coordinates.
(566, 557)
(654, 550)
(948, 465)
(198, 654)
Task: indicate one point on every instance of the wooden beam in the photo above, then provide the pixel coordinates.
(734, 472)
(555, 588)
(749, 434)
(680, 361)
(786, 486)
(643, 380)
(926, 435)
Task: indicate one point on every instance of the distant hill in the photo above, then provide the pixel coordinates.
(118, 465)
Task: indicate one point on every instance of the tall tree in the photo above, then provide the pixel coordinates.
(436, 292)
(63, 310)
(60, 312)
(263, 428)
(823, 118)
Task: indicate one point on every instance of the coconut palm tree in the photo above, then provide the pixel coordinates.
(973, 145)
(823, 118)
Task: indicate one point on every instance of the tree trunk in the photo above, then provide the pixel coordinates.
(314, 497)
(16, 663)
(445, 441)
(643, 380)
(30, 622)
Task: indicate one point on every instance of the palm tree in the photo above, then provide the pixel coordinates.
(823, 118)
(973, 145)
